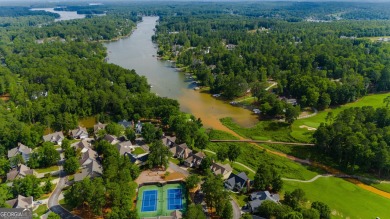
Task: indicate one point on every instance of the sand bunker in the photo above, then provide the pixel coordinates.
(307, 127)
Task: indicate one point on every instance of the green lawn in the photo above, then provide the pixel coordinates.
(138, 151)
(263, 130)
(221, 135)
(241, 199)
(45, 196)
(302, 134)
(238, 169)
(174, 160)
(42, 209)
(253, 156)
(383, 186)
(47, 169)
(344, 198)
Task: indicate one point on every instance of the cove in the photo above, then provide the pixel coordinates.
(138, 52)
(64, 15)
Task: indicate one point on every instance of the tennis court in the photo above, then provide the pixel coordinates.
(175, 199)
(149, 201)
(157, 200)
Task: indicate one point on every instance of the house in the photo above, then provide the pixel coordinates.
(169, 141)
(22, 150)
(230, 46)
(55, 137)
(139, 160)
(79, 133)
(21, 202)
(91, 170)
(256, 198)
(126, 124)
(112, 139)
(224, 169)
(98, 127)
(194, 160)
(83, 145)
(291, 101)
(181, 151)
(88, 156)
(237, 182)
(20, 172)
(124, 147)
(138, 127)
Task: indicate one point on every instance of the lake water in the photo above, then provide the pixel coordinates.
(64, 15)
(138, 52)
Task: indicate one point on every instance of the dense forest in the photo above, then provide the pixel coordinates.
(55, 75)
(358, 139)
(319, 63)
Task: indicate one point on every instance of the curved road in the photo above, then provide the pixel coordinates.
(236, 209)
(53, 204)
(310, 180)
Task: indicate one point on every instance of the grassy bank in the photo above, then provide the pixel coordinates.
(383, 186)
(253, 156)
(344, 198)
(263, 130)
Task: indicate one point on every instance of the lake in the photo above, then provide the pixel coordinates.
(64, 15)
(138, 52)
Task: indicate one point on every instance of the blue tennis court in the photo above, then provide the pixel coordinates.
(149, 201)
(175, 199)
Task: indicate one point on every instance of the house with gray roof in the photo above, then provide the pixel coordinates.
(83, 145)
(169, 141)
(257, 198)
(221, 169)
(126, 124)
(55, 138)
(181, 151)
(237, 182)
(88, 156)
(194, 160)
(91, 170)
(139, 160)
(79, 133)
(20, 172)
(138, 127)
(112, 139)
(21, 202)
(22, 150)
(99, 126)
(124, 147)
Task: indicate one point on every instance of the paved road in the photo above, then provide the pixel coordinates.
(178, 169)
(236, 209)
(310, 180)
(53, 204)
